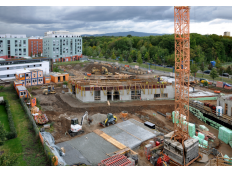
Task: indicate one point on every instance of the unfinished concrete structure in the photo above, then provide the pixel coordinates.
(226, 103)
(174, 149)
(120, 89)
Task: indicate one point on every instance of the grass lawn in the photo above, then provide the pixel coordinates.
(4, 118)
(28, 147)
(225, 65)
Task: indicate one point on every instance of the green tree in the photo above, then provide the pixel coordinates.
(139, 59)
(147, 56)
(129, 36)
(94, 53)
(31, 54)
(129, 59)
(7, 159)
(2, 134)
(218, 63)
(55, 69)
(100, 55)
(210, 67)
(202, 68)
(113, 56)
(213, 74)
(120, 58)
(193, 68)
(229, 70)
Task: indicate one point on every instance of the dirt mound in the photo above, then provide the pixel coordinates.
(97, 118)
(89, 67)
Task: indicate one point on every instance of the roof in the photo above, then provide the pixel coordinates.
(18, 82)
(57, 74)
(35, 70)
(21, 88)
(22, 71)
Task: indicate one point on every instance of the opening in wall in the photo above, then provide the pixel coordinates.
(156, 95)
(97, 95)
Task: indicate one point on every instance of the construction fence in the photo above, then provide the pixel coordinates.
(51, 157)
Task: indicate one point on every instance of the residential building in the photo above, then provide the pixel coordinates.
(62, 46)
(226, 33)
(13, 46)
(35, 46)
(9, 67)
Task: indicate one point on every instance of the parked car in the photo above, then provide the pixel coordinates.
(225, 74)
(207, 71)
(168, 66)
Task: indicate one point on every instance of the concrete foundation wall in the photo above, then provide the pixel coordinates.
(88, 97)
(221, 102)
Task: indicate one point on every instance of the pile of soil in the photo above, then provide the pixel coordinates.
(89, 67)
(97, 118)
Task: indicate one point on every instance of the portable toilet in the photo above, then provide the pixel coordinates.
(213, 63)
(219, 110)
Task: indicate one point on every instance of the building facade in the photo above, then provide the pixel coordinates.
(62, 46)
(13, 46)
(226, 33)
(226, 103)
(35, 46)
(8, 69)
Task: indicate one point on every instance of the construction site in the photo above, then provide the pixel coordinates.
(114, 115)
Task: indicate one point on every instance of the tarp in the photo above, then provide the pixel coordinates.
(50, 141)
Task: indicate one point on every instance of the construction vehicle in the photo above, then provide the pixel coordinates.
(76, 128)
(105, 71)
(49, 90)
(95, 71)
(111, 119)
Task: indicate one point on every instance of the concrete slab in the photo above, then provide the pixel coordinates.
(135, 130)
(72, 155)
(93, 147)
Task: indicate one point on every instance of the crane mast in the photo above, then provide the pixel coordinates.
(182, 71)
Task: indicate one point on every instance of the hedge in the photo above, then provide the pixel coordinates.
(12, 134)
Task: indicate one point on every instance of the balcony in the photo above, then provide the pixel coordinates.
(54, 44)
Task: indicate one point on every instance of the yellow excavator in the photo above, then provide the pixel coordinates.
(49, 90)
(105, 71)
(95, 71)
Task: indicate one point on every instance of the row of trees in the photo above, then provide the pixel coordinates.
(158, 49)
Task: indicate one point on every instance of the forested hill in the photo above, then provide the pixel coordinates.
(159, 48)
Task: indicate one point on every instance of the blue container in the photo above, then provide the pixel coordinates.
(213, 63)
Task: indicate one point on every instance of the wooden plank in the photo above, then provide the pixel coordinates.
(109, 139)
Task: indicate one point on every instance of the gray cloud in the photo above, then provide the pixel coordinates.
(36, 20)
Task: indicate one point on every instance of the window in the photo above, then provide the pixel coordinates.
(33, 74)
(21, 93)
(136, 95)
(156, 95)
(7, 68)
(97, 95)
(164, 95)
(7, 75)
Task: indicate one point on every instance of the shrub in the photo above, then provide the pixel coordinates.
(65, 83)
(55, 69)
(1, 87)
(2, 134)
(7, 159)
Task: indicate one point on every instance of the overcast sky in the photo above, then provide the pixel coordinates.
(35, 20)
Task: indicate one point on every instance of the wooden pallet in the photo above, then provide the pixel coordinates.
(109, 139)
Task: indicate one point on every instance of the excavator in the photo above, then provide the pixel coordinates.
(76, 128)
(49, 90)
(95, 71)
(105, 71)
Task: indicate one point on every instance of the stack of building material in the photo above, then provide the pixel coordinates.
(41, 118)
(191, 149)
(116, 160)
(225, 134)
(175, 150)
